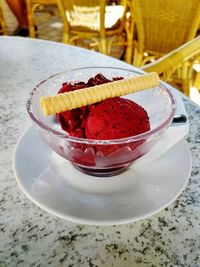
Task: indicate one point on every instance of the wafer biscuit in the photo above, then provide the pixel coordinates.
(87, 96)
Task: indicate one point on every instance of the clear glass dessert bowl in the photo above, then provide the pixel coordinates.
(102, 157)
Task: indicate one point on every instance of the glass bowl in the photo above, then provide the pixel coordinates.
(102, 157)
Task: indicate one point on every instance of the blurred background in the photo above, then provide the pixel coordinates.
(148, 34)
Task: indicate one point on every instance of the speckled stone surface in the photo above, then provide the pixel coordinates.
(30, 236)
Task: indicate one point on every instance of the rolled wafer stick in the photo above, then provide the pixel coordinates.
(87, 96)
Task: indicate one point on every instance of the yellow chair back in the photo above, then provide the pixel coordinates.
(92, 20)
(162, 26)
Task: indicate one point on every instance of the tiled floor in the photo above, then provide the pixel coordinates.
(51, 29)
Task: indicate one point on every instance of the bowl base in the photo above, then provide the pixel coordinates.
(102, 172)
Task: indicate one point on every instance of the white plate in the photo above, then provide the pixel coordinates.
(56, 186)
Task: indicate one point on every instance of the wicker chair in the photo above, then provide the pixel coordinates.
(185, 55)
(32, 7)
(3, 26)
(92, 21)
(160, 26)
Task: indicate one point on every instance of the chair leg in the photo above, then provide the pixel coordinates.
(129, 29)
(197, 81)
(3, 27)
(185, 78)
(128, 53)
(31, 22)
(61, 9)
(3, 23)
(103, 46)
(185, 88)
(32, 29)
(137, 58)
(109, 45)
(65, 39)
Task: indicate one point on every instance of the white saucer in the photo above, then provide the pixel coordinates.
(56, 186)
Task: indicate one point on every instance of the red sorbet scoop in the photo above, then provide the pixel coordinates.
(116, 118)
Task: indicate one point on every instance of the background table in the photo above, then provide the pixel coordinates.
(31, 237)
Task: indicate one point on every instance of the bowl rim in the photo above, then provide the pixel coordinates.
(68, 137)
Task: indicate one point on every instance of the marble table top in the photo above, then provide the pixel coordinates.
(30, 236)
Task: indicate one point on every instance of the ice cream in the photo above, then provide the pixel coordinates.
(116, 118)
(112, 118)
